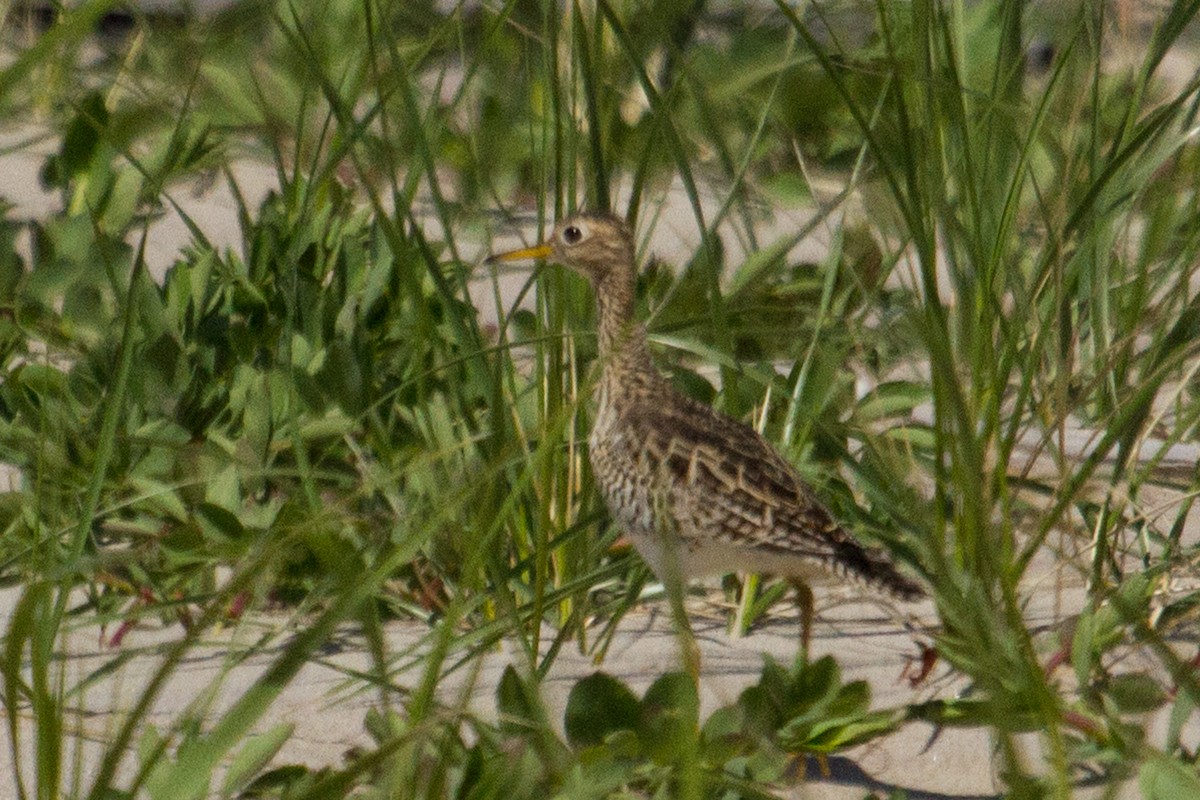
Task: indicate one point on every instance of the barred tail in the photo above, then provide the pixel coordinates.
(876, 568)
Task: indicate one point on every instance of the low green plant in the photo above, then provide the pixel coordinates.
(615, 742)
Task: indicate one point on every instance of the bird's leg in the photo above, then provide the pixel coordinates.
(676, 588)
(804, 599)
(689, 651)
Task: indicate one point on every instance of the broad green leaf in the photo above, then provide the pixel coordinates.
(1165, 778)
(1135, 693)
(520, 710)
(836, 734)
(254, 755)
(670, 717)
(597, 706)
(1096, 630)
(223, 490)
(920, 437)
(894, 398)
(219, 520)
(83, 137)
(1181, 712)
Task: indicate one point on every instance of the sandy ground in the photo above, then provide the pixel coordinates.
(328, 710)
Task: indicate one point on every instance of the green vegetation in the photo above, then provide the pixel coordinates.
(319, 419)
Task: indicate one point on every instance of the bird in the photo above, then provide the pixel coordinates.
(696, 492)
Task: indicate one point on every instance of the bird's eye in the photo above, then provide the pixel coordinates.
(572, 235)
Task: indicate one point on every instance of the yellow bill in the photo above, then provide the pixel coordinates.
(541, 251)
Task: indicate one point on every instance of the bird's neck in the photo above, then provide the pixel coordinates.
(615, 325)
(624, 355)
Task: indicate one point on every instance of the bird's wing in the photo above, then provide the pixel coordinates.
(727, 461)
(748, 494)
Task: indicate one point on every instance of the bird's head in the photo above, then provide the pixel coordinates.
(594, 245)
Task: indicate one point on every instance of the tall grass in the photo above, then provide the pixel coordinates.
(321, 409)
(1019, 214)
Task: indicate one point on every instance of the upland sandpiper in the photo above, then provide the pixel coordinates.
(697, 492)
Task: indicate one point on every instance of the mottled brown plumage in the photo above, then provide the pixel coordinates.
(697, 492)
